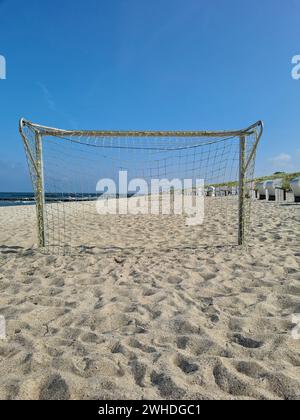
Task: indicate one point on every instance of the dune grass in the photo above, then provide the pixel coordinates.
(286, 177)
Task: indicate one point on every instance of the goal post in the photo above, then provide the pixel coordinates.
(40, 190)
(241, 227)
(66, 166)
(34, 155)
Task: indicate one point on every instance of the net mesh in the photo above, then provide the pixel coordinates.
(70, 164)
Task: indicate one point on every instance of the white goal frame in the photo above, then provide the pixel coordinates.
(35, 159)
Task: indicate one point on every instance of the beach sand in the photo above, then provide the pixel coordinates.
(145, 318)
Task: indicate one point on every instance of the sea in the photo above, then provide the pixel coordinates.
(16, 198)
(27, 198)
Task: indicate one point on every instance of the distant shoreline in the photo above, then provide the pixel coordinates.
(18, 199)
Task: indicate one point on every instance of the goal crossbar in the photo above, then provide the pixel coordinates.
(44, 130)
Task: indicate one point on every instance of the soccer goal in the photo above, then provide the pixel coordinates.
(105, 190)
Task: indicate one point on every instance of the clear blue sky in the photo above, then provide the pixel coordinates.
(159, 64)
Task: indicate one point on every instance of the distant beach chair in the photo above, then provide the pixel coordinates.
(211, 192)
(271, 186)
(261, 190)
(250, 190)
(295, 185)
(280, 194)
(234, 190)
(220, 192)
(225, 189)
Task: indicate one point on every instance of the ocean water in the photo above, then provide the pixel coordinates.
(15, 198)
(27, 198)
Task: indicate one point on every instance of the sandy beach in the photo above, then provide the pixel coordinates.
(154, 320)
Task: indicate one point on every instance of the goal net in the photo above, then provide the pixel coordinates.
(110, 190)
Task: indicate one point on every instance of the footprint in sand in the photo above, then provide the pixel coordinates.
(54, 388)
(182, 342)
(246, 342)
(138, 371)
(185, 365)
(166, 387)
